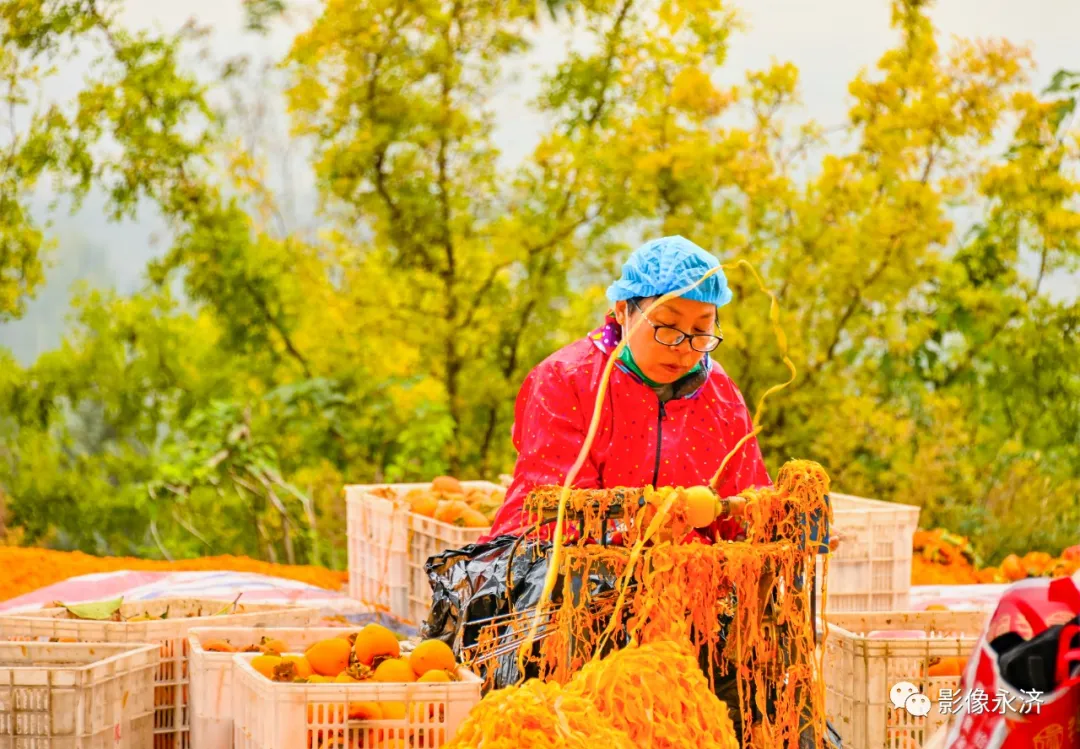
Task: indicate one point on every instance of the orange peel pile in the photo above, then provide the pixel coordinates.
(643, 695)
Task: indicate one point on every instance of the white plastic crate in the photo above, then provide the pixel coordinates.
(389, 546)
(212, 674)
(867, 653)
(171, 635)
(871, 568)
(275, 715)
(77, 695)
(378, 546)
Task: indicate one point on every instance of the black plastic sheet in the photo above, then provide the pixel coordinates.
(474, 585)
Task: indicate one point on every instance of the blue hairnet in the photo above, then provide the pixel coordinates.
(668, 264)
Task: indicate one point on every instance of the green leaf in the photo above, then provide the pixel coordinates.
(99, 611)
(1063, 80)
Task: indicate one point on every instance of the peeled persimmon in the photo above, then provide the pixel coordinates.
(394, 670)
(375, 641)
(329, 657)
(432, 655)
(265, 664)
(700, 506)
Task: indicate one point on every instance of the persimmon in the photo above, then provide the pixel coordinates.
(303, 666)
(394, 670)
(950, 666)
(425, 505)
(218, 646)
(375, 641)
(471, 518)
(1013, 568)
(272, 646)
(366, 711)
(321, 713)
(435, 675)
(701, 504)
(1036, 562)
(393, 710)
(450, 511)
(431, 655)
(265, 664)
(329, 657)
(446, 485)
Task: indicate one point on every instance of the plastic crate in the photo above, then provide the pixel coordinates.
(171, 722)
(77, 695)
(212, 674)
(871, 568)
(867, 653)
(389, 545)
(275, 715)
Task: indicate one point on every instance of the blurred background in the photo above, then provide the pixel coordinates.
(250, 252)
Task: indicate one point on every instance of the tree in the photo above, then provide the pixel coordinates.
(932, 368)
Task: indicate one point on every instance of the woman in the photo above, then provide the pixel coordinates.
(669, 417)
(670, 413)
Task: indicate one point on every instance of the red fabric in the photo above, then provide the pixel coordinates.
(555, 406)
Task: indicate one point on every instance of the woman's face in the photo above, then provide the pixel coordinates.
(662, 363)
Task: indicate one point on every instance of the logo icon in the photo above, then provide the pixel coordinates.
(906, 696)
(918, 705)
(900, 692)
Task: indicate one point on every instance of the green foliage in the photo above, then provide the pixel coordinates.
(933, 369)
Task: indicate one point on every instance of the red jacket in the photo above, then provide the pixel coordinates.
(638, 443)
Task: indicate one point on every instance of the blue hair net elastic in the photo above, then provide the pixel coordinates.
(668, 264)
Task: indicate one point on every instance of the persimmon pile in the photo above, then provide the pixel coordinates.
(651, 695)
(944, 558)
(371, 655)
(448, 501)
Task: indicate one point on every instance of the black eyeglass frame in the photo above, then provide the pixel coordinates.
(683, 335)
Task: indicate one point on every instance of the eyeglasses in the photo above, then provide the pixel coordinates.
(666, 335)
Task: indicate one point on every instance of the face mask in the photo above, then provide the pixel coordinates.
(627, 358)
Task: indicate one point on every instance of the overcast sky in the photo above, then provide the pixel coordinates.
(829, 40)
